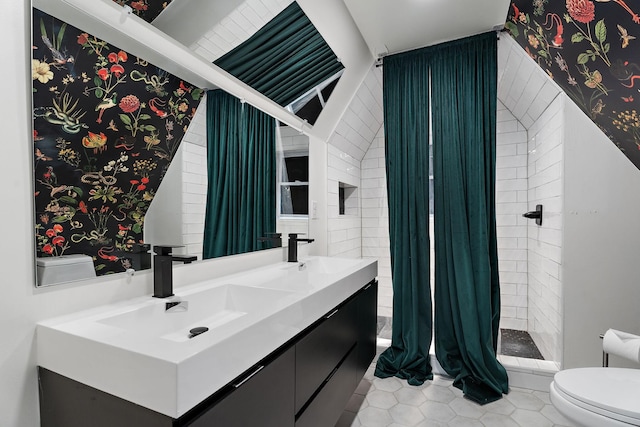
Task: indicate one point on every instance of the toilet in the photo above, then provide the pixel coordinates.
(598, 397)
(65, 268)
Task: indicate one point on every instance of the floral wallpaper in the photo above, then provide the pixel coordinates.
(106, 125)
(145, 9)
(591, 48)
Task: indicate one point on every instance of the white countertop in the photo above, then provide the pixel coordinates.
(131, 350)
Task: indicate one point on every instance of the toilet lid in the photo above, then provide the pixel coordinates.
(614, 390)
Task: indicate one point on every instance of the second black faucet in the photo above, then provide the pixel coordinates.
(293, 246)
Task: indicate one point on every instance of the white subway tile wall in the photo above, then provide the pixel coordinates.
(545, 168)
(347, 147)
(530, 256)
(511, 227)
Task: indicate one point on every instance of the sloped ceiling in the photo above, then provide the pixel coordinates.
(400, 25)
(589, 48)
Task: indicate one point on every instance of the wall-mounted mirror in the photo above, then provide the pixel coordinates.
(106, 125)
(66, 57)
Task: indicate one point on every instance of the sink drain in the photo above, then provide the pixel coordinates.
(197, 331)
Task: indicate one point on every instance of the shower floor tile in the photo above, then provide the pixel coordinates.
(518, 344)
(512, 342)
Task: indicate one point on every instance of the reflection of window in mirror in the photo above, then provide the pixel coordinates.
(293, 174)
(310, 105)
(294, 185)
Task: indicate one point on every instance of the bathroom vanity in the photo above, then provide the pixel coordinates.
(286, 345)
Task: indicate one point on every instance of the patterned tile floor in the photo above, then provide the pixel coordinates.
(391, 402)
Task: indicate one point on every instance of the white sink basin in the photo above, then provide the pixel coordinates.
(138, 351)
(211, 308)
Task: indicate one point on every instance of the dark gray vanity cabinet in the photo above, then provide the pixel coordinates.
(307, 382)
(332, 358)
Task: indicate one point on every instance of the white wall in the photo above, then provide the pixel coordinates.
(601, 241)
(545, 243)
(511, 227)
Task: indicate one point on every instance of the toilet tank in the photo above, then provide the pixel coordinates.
(65, 268)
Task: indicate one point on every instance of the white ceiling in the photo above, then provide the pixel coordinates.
(392, 26)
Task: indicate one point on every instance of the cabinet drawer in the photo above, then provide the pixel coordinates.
(319, 352)
(264, 398)
(329, 403)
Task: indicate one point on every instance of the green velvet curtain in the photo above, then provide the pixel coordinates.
(462, 78)
(467, 292)
(284, 59)
(406, 120)
(241, 159)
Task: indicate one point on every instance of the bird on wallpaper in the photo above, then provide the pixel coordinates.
(60, 59)
(625, 36)
(105, 104)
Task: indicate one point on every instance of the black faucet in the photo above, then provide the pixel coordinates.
(162, 271)
(274, 238)
(293, 246)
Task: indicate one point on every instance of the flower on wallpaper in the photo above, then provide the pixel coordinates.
(41, 71)
(581, 10)
(99, 151)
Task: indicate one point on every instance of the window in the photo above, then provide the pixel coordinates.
(292, 192)
(294, 185)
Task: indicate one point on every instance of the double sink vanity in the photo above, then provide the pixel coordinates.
(281, 345)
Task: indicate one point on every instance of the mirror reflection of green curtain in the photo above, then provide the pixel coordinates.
(241, 158)
(467, 290)
(284, 59)
(406, 127)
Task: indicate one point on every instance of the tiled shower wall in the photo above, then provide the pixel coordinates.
(511, 203)
(545, 168)
(344, 232)
(346, 149)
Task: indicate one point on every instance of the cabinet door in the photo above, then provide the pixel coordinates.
(327, 406)
(367, 325)
(321, 350)
(264, 397)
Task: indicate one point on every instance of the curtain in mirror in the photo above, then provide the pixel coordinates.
(283, 60)
(241, 158)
